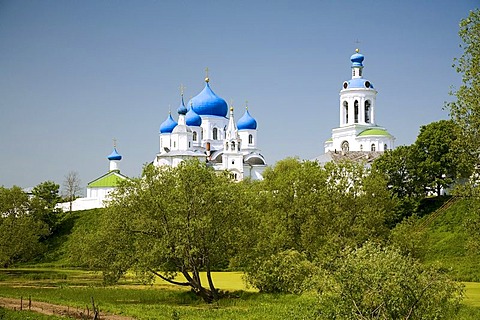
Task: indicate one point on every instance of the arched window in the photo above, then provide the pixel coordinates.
(345, 146)
(355, 107)
(345, 110)
(215, 134)
(367, 111)
(194, 136)
(233, 145)
(250, 139)
(238, 146)
(372, 148)
(361, 147)
(385, 147)
(226, 145)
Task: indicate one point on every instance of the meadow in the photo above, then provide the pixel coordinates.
(75, 289)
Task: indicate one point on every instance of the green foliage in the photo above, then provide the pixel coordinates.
(170, 220)
(20, 231)
(465, 111)
(380, 283)
(284, 272)
(407, 238)
(436, 156)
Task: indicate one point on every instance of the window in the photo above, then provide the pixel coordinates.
(367, 111)
(345, 110)
(372, 147)
(189, 144)
(355, 106)
(361, 147)
(250, 139)
(238, 146)
(194, 136)
(360, 72)
(385, 147)
(233, 145)
(345, 146)
(215, 134)
(226, 145)
(353, 72)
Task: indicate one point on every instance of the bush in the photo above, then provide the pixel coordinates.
(380, 283)
(284, 272)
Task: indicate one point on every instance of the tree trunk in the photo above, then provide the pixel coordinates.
(207, 295)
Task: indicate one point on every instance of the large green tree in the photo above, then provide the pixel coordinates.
(465, 110)
(20, 231)
(436, 156)
(171, 220)
(303, 207)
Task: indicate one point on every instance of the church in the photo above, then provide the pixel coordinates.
(358, 135)
(206, 130)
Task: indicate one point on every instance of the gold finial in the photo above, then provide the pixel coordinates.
(357, 50)
(169, 109)
(206, 75)
(114, 142)
(182, 89)
(231, 109)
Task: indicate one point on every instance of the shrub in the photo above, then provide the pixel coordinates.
(284, 272)
(380, 283)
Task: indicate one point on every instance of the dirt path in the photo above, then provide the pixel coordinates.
(54, 309)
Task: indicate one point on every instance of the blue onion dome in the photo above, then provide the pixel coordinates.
(247, 122)
(193, 119)
(208, 103)
(114, 155)
(357, 59)
(168, 125)
(182, 109)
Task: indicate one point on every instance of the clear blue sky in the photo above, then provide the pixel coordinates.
(76, 74)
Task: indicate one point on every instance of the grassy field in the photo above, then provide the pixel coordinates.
(75, 288)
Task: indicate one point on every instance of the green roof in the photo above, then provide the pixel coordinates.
(329, 140)
(110, 179)
(374, 132)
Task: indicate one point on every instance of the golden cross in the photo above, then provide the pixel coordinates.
(114, 142)
(206, 72)
(182, 89)
(246, 104)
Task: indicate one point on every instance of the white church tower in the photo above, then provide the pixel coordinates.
(358, 130)
(232, 156)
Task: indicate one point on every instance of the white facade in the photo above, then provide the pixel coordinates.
(205, 132)
(358, 130)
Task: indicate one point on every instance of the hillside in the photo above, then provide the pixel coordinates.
(447, 239)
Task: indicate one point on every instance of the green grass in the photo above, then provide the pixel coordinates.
(164, 301)
(446, 244)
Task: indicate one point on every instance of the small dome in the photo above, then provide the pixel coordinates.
(374, 132)
(168, 125)
(357, 59)
(182, 109)
(247, 122)
(193, 119)
(114, 155)
(208, 103)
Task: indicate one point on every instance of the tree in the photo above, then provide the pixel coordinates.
(372, 282)
(20, 231)
(315, 211)
(171, 220)
(43, 203)
(465, 111)
(71, 186)
(436, 155)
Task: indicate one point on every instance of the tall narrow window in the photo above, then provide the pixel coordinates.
(226, 145)
(215, 134)
(385, 147)
(233, 145)
(250, 139)
(373, 147)
(194, 136)
(367, 111)
(355, 106)
(345, 110)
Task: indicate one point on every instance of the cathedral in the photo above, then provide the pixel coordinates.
(206, 130)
